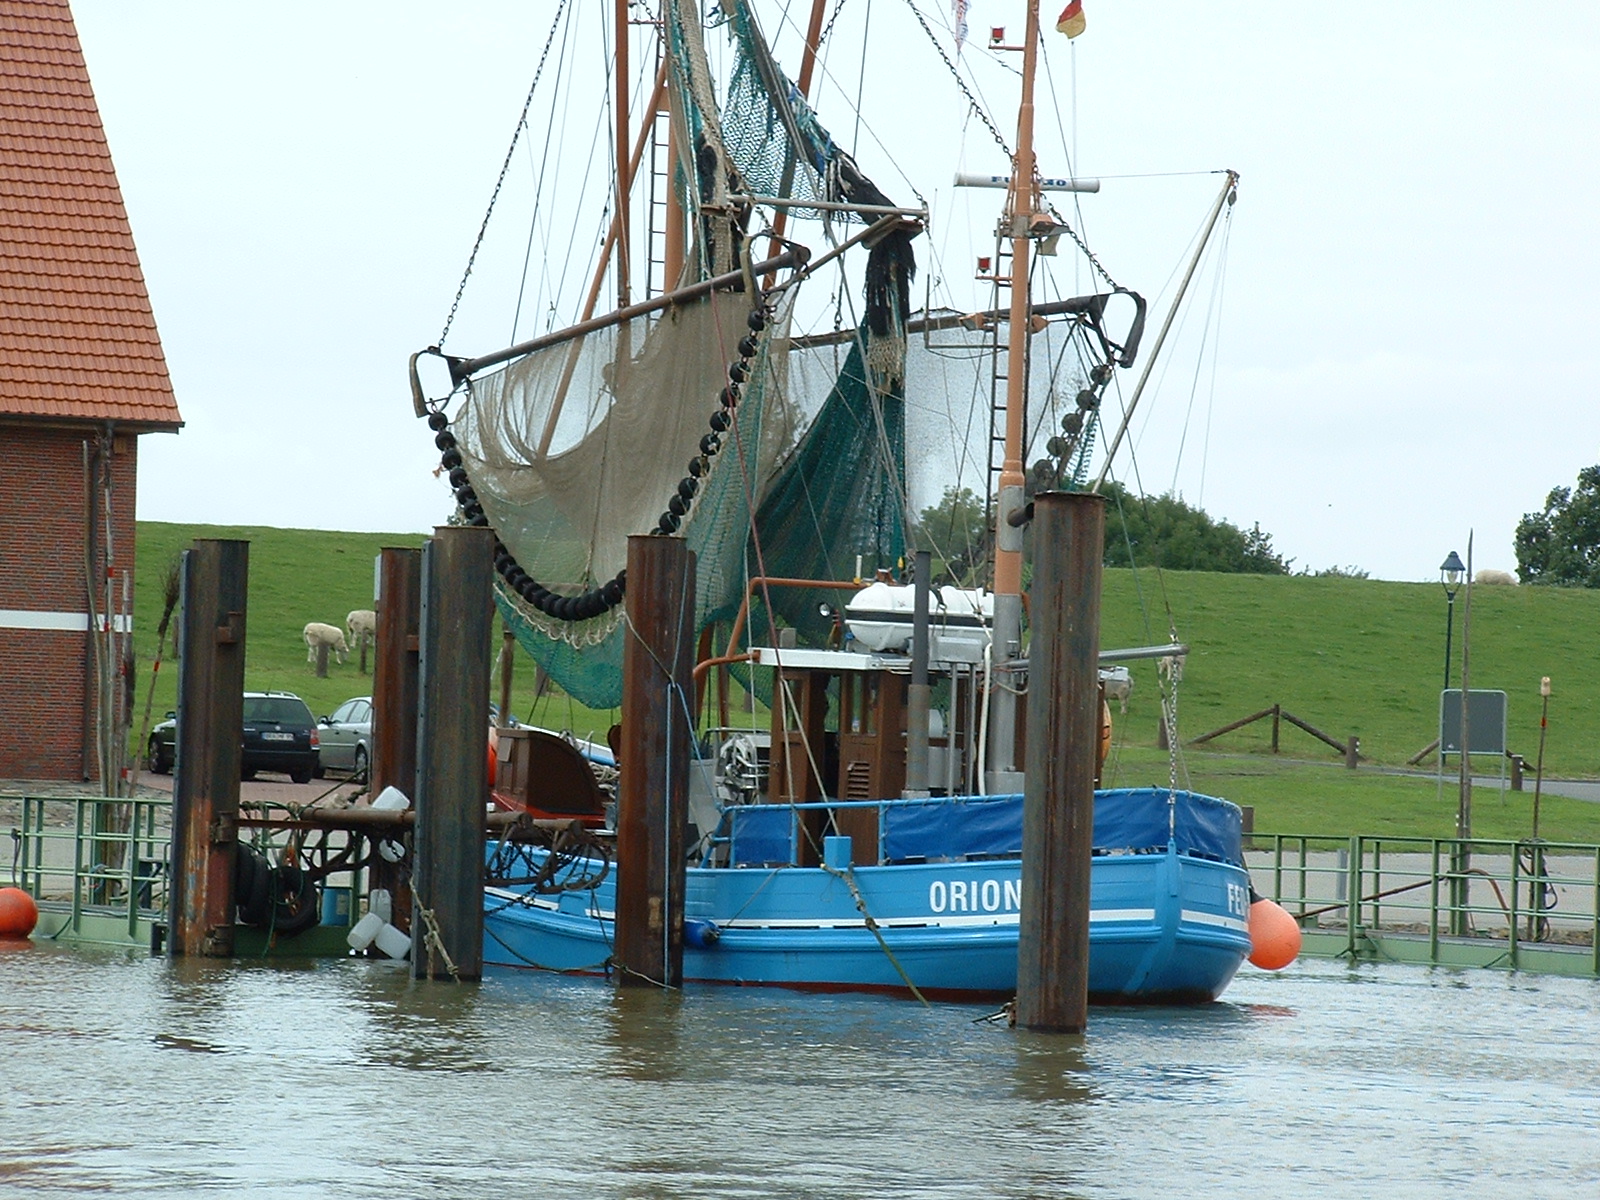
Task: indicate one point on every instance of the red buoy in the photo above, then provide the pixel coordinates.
(1274, 936)
(18, 913)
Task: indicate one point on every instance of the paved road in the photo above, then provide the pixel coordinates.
(1575, 789)
(267, 787)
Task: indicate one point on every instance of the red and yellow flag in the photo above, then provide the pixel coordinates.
(1071, 21)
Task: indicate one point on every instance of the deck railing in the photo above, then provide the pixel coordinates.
(95, 858)
(1530, 905)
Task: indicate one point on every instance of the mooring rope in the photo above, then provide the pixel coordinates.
(861, 904)
(432, 937)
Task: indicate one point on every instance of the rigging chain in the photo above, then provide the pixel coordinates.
(961, 83)
(1087, 253)
(505, 167)
(982, 115)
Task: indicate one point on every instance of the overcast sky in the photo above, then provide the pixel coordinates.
(1404, 348)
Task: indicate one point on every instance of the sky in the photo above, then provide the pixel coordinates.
(1397, 349)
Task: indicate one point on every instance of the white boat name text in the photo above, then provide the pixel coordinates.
(974, 895)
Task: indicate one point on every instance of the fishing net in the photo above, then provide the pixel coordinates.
(837, 443)
(575, 447)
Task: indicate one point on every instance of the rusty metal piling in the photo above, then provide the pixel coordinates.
(452, 785)
(205, 790)
(652, 804)
(1063, 730)
(394, 702)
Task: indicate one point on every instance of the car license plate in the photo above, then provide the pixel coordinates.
(277, 737)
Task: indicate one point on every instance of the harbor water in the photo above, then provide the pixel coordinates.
(134, 1076)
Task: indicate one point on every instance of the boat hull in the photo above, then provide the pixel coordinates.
(1165, 927)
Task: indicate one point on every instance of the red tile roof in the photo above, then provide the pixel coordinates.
(77, 338)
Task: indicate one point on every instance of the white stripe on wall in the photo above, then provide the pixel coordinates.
(69, 622)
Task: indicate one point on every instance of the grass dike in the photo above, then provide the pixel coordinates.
(1351, 656)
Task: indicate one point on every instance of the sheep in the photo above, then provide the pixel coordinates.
(1495, 577)
(317, 634)
(1170, 667)
(362, 625)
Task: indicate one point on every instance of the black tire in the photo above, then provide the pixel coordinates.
(159, 764)
(297, 902)
(320, 771)
(300, 775)
(250, 883)
(359, 771)
(247, 773)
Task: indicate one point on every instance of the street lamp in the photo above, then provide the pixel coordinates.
(1451, 572)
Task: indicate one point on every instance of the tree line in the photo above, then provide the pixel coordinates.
(1164, 531)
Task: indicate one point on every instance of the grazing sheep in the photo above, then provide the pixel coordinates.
(1170, 667)
(1495, 577)
(362, 625)
(331, 636)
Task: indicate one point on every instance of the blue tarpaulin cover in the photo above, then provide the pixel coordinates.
(988, 826)
(762, 833)
(1124, 819)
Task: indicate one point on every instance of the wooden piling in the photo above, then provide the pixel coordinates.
(205, 789)
(652, 801)
(452, 785)
(1064, 727)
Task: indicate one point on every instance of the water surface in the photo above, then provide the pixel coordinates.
(140, 1077)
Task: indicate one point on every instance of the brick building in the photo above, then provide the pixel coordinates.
(82, 376)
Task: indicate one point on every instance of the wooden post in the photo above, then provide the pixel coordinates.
(394, 702)
(508, 645)
(1352, 751)
(322, 660)
(1058, 801)
(452, 753)
(1277, 712)
(205, 788)
(652, 803)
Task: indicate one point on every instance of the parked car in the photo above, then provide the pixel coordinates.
(278, 734)
(346, 737)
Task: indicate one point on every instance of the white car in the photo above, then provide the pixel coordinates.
(346, 737)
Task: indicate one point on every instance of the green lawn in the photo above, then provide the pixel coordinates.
(1299, 797)
(297, 576)
(1355, 656)
(1351, 656)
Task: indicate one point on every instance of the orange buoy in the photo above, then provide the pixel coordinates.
(1274, 936)
(18, 913)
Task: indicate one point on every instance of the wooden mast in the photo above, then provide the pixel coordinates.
(808, 63)
(1022, 204)
(623, 81)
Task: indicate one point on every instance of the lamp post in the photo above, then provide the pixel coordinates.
(1538, 770)
(1451, 572)
(1536, 881)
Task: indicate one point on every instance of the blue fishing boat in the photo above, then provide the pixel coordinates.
(936, 914)
(870, 836)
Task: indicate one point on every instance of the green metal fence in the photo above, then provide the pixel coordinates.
(97, 866)
(1524, 905)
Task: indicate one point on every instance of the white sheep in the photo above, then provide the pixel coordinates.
(1170, 667)
(362, 625)
(1495, 577)
(331, 636)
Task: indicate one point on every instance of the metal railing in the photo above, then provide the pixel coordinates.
(95, 858)
(1530, 905)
